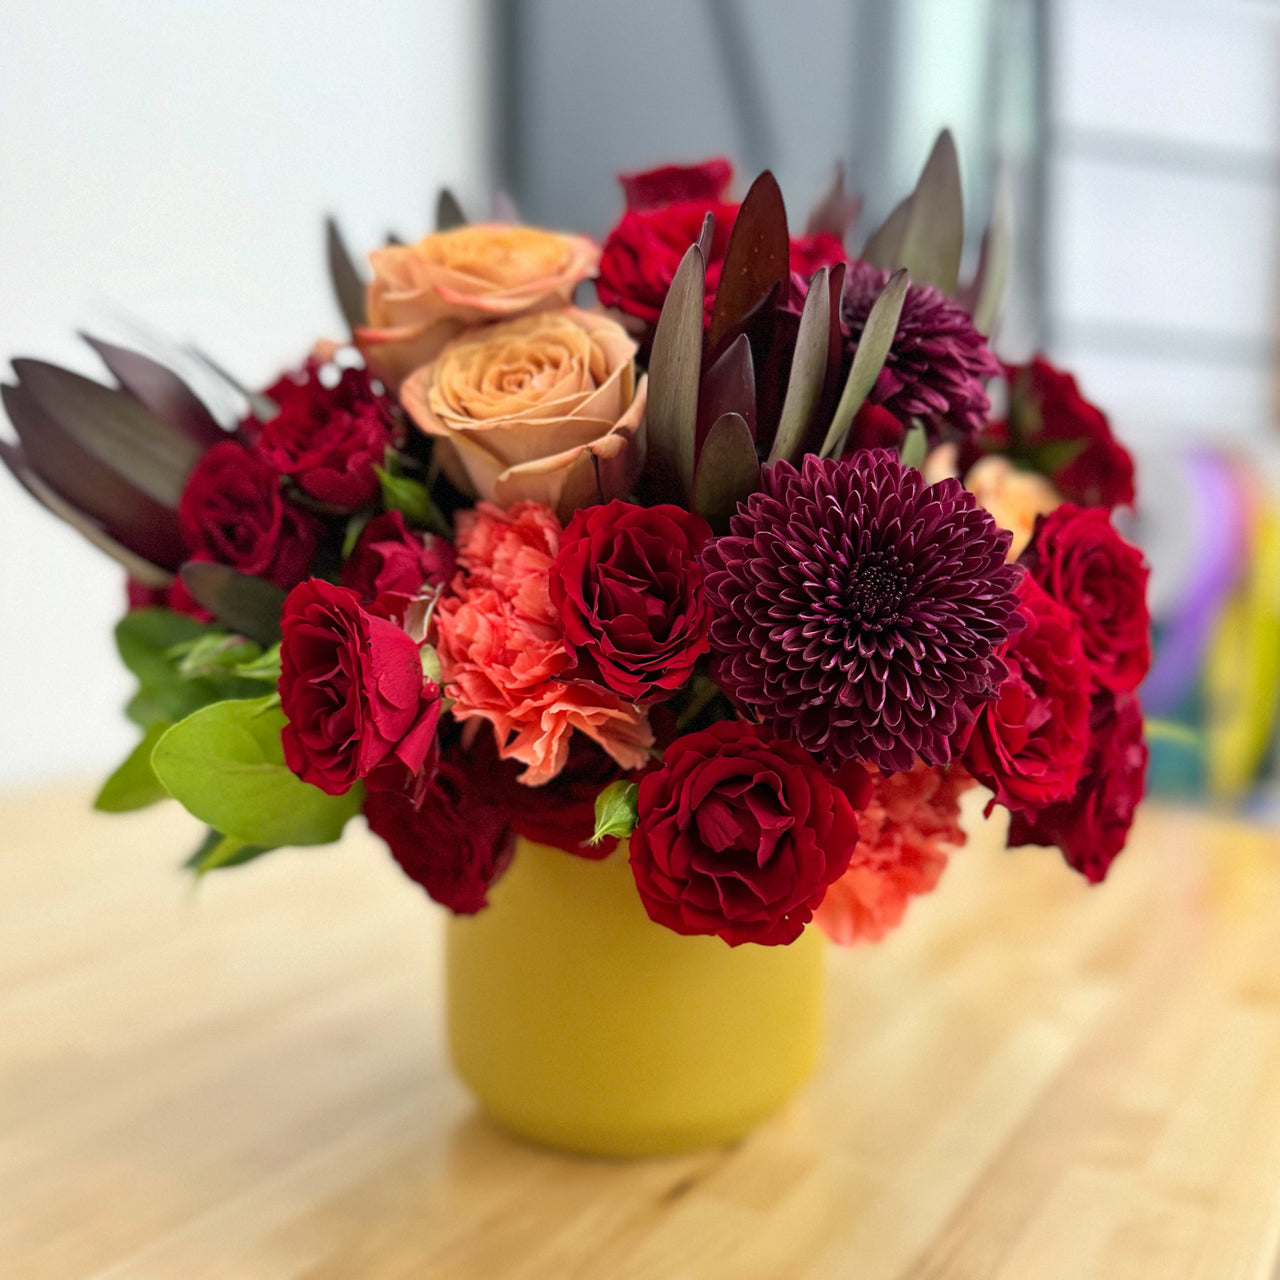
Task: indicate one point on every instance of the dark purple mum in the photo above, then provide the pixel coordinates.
(938, 364)
(859, 610)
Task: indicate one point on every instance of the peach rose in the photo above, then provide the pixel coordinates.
(532, 410)
(423, 295)
(1012, 496)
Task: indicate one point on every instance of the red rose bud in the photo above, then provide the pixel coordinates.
(1076, 555)
(453, 841)
(1028, 745)
(650, 188)
(328, 439)
(353, 690)
(628, 588)
(739, 835)
(1092, 826)
(231, 512)
(390, 559)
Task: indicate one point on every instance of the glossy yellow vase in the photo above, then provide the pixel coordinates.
(581, 1024)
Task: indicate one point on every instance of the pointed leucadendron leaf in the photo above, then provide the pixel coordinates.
(262, 407)
(244, 604)
(915, 446)
(983, 294)
(134, 784)
(835, 210)
(505, 208)
(934, 235)
(348, 287)
(91, 486)
(448, 211)
(114, 428)
(707, 236)
(160, 390)
(217, 852)
(756, 259)
(868, 360)
(729, 386)
(675, 365)
(884, 245)
(225, 764)
(138, 567)
(616, 811)
(728, 471)
(808, 370)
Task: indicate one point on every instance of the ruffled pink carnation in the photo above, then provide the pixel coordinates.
(502, 650)
(902, 837)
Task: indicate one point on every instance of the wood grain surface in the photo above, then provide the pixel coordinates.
(1030, 1080)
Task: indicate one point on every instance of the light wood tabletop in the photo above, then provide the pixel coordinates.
(1030, 1080)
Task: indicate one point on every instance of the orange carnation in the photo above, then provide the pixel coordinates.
(902, 834)
(502, 651)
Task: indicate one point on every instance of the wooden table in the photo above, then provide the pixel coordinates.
(246, 1080)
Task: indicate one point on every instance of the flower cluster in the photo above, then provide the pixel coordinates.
(733, 566)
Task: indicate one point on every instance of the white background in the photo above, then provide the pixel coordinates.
(167, 165)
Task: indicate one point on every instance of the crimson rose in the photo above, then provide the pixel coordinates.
(739, 835)
(353, 690)
(628, 587)
(329, 439)
(232, 512)
(453, 842)
(1092, 826)
(650, 188)
(1076, 555)
(390, 559)
(1028, 744)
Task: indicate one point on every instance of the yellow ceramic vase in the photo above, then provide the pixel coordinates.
(580, 1023)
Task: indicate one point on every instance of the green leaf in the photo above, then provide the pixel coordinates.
(915, 446)
(411, 498)
(214, 653)
(225, 764)
(884, 245)
(355, 527)
(728, 470)
(265, 667)
(808, 370)
(933, 238)
(868, 360)
(134, 784)
(616, 811)
(217, 851)
(675, 365)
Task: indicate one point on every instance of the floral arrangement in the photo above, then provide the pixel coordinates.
(738, 565)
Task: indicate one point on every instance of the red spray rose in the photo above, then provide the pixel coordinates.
(390, 559)
(1076, 555)
(353, 690)
(650, 188)
(328, 439)
(453, 842)
(905, 830)
(1051, 428)
(1029, 743)
(1092, 826)
(740, 835)
(628, 588)
(232, 512)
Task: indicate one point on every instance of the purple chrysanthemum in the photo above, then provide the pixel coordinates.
(938, 363)
(859, 610)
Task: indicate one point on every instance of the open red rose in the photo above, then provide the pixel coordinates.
(1092, 826)
(740, 835)
(390, 559)
(232, 512)
(1028, 744)
(453, 841)
(352, 687)
(328, 439)
(1076, 555)
(628, 588)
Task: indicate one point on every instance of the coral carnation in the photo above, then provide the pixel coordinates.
(938, 363)
(503, 654)
(859, 610)
(904, 831)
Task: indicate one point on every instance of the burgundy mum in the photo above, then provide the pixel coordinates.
(859, 610)
(938, 365)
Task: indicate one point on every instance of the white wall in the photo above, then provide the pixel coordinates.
(168, 164)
